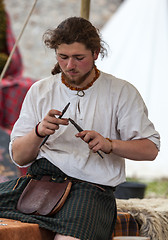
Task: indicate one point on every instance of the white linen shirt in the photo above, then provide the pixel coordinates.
(111, 106)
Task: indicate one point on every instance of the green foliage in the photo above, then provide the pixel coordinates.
(3, 59)
(3, 54)
(155, 188)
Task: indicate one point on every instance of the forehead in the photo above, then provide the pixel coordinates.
(73, 49)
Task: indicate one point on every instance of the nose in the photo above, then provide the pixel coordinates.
(71, 63)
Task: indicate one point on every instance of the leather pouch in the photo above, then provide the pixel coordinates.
(43, 197)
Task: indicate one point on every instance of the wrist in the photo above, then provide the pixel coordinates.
(37, 131)
(110, 141)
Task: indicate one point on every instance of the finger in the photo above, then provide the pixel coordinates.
(96, 148)
(54, 125)
(54, 112)
(48, 128)
(93, 142)
(54, 120)
(81, 134)
(51, 117)
(87, 136)
(62, 121)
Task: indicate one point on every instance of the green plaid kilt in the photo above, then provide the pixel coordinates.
(89, 213)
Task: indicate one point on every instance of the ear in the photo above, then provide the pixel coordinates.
(96, 54)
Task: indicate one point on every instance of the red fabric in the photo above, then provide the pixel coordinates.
(16, 67)
(14, 86)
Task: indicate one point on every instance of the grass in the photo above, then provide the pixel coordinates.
(155, 188)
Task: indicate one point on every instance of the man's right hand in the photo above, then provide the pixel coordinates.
(51, 123)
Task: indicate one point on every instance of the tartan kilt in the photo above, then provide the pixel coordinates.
(89, 213)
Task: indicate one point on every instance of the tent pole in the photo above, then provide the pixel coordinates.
(85, 9)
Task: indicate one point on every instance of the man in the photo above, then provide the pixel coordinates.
(114, 118)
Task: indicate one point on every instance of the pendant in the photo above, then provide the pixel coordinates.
(80, 93)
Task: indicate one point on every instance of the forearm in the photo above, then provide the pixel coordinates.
(142, 149)
(25, 149)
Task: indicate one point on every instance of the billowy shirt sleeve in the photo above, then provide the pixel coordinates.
(25, 123)
(133, 121)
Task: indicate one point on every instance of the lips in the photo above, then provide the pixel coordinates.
(72, 73)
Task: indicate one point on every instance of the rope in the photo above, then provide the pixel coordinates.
(17, 41)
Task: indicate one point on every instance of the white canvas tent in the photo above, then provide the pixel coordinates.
(137, 36)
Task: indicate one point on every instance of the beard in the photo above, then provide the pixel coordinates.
(78, 81)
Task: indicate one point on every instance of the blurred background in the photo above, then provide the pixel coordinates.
(137, 34)
(38, 60)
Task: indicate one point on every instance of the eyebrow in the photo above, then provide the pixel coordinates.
(75, 55)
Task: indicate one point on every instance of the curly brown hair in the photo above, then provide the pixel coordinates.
(74, 29)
